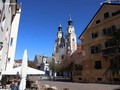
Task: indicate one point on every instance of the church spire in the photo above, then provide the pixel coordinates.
(70, 21)
(60, 27)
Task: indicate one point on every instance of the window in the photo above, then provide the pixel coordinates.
(80, 78)
(95, 49)
(0, 14)
(116, 13)
(3, 1)
(94, 35)
(99, 79)
(3, 17)
(73, 39)
(9, 8)
(2, 29)
(68, 39)
(11, 41)
(98, 21)
(109, 30)
(1, 45)
(106, 15)
(116, 80)
(98, 64)
(110, 43)
(8, 59)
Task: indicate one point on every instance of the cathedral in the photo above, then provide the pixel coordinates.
(65, 45)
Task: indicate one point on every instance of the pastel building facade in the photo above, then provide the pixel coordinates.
(9, 22)
(96, 52)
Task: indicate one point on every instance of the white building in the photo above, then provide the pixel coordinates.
(59, 46)
(9, 22)
(17, 63)
(42, 62)
(71, 43)
(65, 46)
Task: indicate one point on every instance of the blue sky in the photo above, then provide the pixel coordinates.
(40, 19)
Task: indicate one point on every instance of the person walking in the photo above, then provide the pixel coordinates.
(16, 86)
(12, 85)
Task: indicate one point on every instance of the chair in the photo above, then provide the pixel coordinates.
(54, 88)
(31, 85)
(38, 85)
(0, 87)
(47, 86)
(7, 86)
(43, 88)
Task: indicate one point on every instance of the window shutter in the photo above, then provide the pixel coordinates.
(104, 31)
(99, 47)
(92, 35)
(113, 28)
(92, 49)
(106, 44)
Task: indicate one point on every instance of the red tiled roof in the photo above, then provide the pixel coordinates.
(79, 49)
(18, 61)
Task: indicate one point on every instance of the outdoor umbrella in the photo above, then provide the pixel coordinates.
(23, 71)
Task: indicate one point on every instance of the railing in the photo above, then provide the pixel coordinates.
(109, 51)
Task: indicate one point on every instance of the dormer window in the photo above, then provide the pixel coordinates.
(116, 13)
(106, 15)
(98, 21)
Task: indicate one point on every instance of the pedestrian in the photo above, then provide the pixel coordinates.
(12, 85)
(16, 87)
(0, 85)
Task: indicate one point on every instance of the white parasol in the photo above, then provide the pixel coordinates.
(23, 71)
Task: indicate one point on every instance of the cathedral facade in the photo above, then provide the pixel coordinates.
(65, 44)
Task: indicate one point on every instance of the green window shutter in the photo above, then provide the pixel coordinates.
(104, 31)
(92, 49)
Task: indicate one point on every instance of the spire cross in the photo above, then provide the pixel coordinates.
(70, 15)
(60, 23)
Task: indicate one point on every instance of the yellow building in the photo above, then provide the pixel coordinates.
(95, 57)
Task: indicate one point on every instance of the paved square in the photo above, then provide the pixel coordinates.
(80, 86)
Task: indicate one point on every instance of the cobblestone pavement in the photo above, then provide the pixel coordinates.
(80, 86)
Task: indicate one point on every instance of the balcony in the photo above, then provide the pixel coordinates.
(110, 52)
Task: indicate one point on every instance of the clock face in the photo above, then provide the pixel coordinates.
(44, 60)
(70, 30)
(59, 35)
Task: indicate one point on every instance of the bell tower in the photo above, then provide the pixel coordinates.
(71, 44)
(59, 46)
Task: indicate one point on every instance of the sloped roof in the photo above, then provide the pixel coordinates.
(79, 49)
(40, 57)
(18, 61)
(96, 14)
